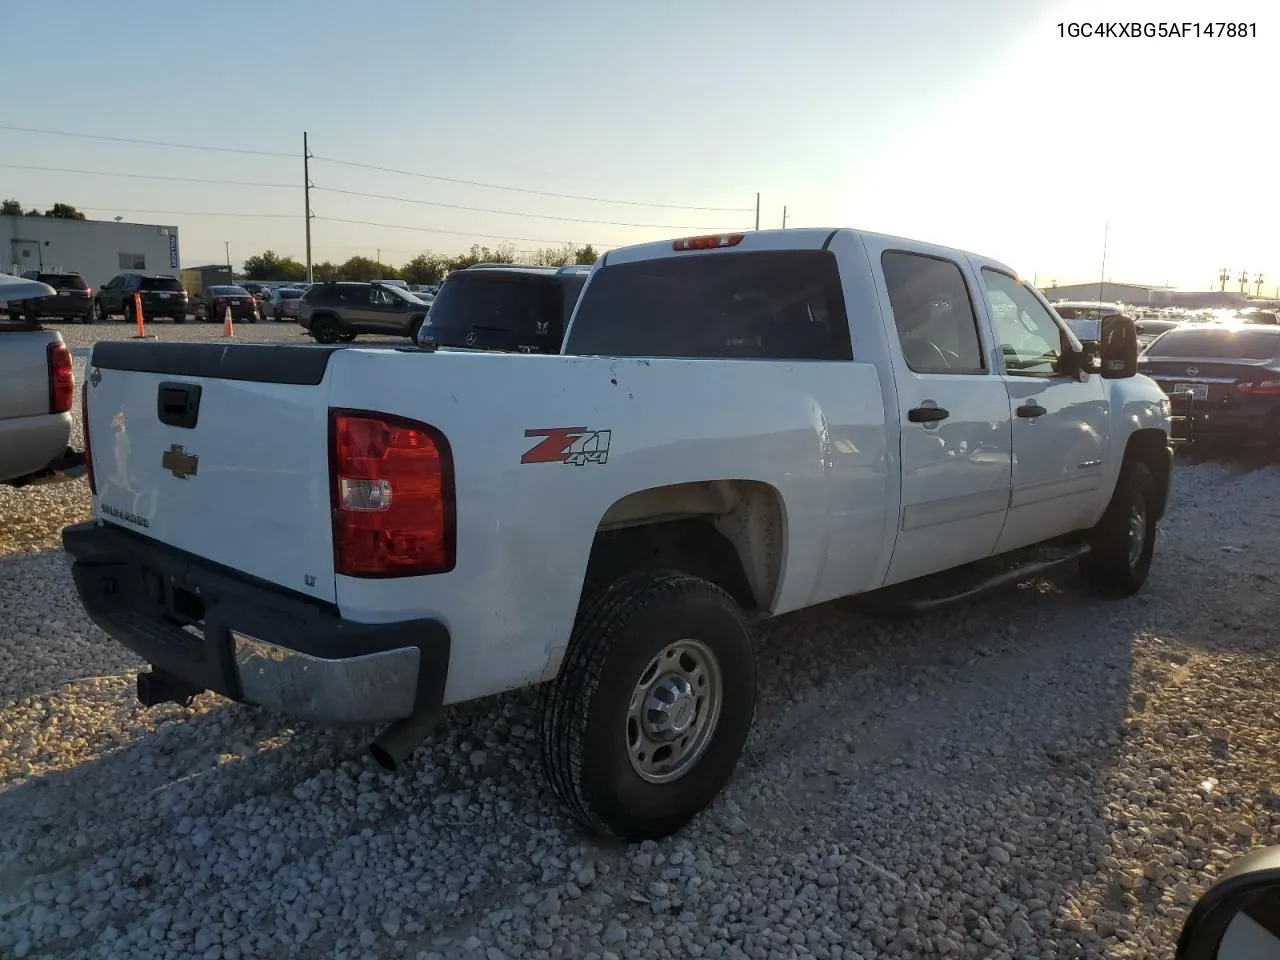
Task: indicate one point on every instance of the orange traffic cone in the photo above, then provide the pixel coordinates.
(227, 329)
(137, 316)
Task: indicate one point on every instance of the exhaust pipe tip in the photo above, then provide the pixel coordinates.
(156, 687)
(396, 743)
(382, 757)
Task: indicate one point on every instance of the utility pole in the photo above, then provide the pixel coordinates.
(1244, 278)
(379, 249)
(1102, 283)
(784, 218)
(1223, 276)
(757, 211)
(1257, 289)
(306, 198)
(226, 245)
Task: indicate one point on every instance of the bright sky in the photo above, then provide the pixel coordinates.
(966, 123)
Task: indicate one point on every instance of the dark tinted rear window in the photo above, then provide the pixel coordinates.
(64, 281)
(784, 305)
(161, 283)
(289, 294)
(229, 291)
(334, 294)
(503, 312)
(1216, 344)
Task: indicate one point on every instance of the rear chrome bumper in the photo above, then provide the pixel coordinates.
(215, 629)
(367, 688)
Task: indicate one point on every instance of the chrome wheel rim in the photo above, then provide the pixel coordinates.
(1137, 531)
(674, 709)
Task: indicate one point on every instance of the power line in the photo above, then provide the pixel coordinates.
(540, 193)
(364, 223)
(459, 233)
(148, 176)
(367, 166)
(354, 193)
(149, 143)
(512, 213)
(201, 213)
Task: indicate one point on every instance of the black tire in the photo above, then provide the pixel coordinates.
(1113, 566)
(414, 327)
(87, 318)
(325, 330)
(181, 319)
(346, 337)
(618, 636)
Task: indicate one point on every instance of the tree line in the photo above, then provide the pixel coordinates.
(425, 268)
(59, 211)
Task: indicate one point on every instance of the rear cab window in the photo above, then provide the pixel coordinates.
(766, 305)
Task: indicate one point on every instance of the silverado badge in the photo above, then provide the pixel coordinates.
(180, 463)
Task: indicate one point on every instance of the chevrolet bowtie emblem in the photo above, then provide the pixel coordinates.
(180, 463)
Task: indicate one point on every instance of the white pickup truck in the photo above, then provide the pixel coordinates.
(739, 426)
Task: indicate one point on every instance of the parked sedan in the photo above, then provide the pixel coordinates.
(216, 301)
(1225, 379)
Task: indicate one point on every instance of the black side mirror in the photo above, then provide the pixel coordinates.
(1119, 347)
(1238, 918)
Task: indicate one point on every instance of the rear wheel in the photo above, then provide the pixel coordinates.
(414, 328)
(325, 330)
(1123, 542)
(100, 311)
(646, 720)
(180, 318)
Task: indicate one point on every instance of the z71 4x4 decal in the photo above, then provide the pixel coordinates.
(571, 445)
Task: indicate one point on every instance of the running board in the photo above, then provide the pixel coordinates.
(937, 591)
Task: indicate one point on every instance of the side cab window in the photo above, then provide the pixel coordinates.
(933, 311)
(1031, 341)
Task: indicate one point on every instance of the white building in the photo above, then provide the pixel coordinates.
(95, 249)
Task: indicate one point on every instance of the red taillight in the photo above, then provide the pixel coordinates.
(62, 379)
(1267, 388)
(393, 498)
(711, 242)
(88, 450)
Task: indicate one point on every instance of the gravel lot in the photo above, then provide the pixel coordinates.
(1039, 774)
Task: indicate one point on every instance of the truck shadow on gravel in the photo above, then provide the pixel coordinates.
(949, 775)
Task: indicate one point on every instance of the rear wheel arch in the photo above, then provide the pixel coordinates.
(728, 532)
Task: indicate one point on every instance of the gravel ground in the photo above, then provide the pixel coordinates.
(1039, 774)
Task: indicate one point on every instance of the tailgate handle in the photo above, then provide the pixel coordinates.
(178, 404)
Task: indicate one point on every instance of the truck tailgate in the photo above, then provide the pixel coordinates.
(220, 451)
